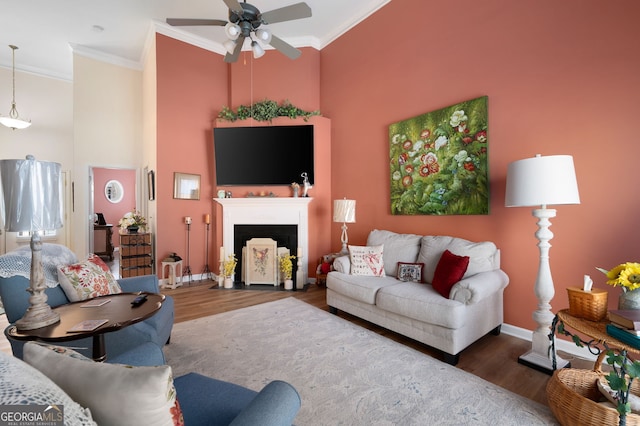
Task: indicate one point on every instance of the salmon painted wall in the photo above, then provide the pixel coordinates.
(113, 212)
(561, 78)
(192, 87)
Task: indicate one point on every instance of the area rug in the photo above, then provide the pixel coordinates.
(345, 374)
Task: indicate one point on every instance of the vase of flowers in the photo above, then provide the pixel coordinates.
(286, 267)
(133, 221)
(229, 267)
(627, 276)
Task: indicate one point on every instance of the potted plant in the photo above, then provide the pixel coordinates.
(133, 221)
(229, 267)
(286, 267)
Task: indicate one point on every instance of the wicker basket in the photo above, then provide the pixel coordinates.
(590, 305)
(572, 396)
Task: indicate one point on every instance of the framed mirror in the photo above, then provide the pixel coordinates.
(186, 186)
(114, 191)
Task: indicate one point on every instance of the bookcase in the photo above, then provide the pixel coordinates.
(135, 255)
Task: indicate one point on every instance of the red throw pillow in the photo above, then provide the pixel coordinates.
(450, 270)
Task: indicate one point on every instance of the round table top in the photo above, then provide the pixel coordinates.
(595, 329)
(118, 312)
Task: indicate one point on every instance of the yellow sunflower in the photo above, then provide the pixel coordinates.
(626, 275)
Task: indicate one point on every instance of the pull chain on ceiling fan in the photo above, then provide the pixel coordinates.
(245, 21)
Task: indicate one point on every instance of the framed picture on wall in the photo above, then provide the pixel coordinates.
(151, 185)
(186, 186)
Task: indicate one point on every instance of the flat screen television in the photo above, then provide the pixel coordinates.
(269, 155)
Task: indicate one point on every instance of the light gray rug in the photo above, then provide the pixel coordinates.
(345, 374)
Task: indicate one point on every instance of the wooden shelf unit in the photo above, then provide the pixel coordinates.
(135, 255)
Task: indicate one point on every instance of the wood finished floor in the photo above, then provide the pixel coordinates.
(493, 358)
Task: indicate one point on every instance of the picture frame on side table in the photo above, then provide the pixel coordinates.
(186, 186)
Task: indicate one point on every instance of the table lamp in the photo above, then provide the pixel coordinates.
(344, 211)
(31, 201)
(542, 181)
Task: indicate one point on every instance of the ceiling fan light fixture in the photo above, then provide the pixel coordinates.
(263, 35)
(258, 51)
(232, 31)
(13, 121)
(229, 45)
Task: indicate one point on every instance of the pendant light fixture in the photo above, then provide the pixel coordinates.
(13, 121)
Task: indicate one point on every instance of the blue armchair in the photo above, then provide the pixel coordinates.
(138, 344)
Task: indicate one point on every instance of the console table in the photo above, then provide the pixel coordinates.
(102, 244)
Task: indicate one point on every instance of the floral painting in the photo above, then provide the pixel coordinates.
(438, 162)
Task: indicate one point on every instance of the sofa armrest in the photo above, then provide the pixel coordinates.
(472, 289)
(342, 264)
(276, 404)
(148, 283)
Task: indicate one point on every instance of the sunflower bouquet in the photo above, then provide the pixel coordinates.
(286, 266)
(625, 275)
(229, 265)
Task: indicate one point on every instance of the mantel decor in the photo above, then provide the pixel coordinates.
(265, 110)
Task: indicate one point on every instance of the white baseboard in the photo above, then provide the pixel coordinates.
(561, 345)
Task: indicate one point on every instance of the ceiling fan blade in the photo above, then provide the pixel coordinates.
(234, 6)
(287, 13)
(285, 48)
(232, 57)
(176, 22)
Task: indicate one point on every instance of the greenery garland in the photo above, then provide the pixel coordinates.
(265, 111)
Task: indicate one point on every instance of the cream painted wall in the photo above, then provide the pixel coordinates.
(48, 103)
(107, 114)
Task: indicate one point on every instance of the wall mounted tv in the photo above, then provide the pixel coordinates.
(269, 155)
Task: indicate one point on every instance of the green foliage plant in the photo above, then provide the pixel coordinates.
(265, 110)
(623, 373)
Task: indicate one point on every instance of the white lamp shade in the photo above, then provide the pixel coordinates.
(14, 123)
(258, 51)
(30, 195)
(229, 45)
(263, 35)
(541, 181)
(344, 211)
(232, 31)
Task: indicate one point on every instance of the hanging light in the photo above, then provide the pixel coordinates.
(232, 30)
(230, 45)
(13, 121)
(264, 36)
(258, 51)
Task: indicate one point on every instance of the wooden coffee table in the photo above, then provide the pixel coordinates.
(118, 312)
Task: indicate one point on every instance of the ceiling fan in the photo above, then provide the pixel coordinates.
(245, 21)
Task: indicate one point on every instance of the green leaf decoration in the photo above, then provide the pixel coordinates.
(266, 110)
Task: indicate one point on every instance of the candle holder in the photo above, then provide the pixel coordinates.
(206, 272)
(186, 272)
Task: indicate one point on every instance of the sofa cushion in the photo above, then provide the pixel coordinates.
(18, 262)
(397, 248)
(366, 260)
(87, 279)
(20, 383)
(361, 288)
(421, 302)
(410, 271)
(483, 256)
(116, 394)
(450, 270)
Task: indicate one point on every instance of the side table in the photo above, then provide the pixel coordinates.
(118, 311)
(174, 279)
(597, 330)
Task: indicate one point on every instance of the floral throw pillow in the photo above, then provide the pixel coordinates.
(88, 279)
(367, 260)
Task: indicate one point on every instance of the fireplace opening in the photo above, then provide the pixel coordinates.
(284, 235)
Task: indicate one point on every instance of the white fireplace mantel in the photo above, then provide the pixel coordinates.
(266, 211)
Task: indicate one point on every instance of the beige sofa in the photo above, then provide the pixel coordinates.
(473, 308)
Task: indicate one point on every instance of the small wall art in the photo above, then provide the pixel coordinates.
(186, 186)
(438, 162)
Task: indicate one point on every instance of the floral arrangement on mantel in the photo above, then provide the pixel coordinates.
(625, 275)
(286, 266)
(229, 265)
(266, 110)
(132, 219)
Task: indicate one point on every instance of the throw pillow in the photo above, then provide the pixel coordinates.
(366, 260)
(410, 271)
(87, 279)
(450, 270)
(397, 248)
(116, 394)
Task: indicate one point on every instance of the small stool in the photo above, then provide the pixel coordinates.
(174, 279)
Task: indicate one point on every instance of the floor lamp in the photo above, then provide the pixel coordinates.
(542, 181)
(31, 201)
(344, 211)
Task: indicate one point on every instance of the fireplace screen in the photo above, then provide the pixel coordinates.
(261, 265)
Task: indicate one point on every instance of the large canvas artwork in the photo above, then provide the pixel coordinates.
(439, 162)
